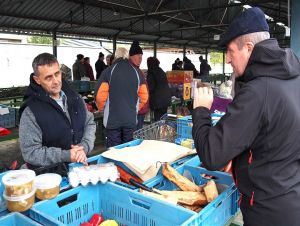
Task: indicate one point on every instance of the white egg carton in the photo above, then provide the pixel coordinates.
(93, 174)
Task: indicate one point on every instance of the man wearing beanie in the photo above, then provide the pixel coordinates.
(79, 68)
(260, 131)
(135, 57)
(100, 65)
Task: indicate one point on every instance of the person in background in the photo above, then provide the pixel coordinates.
(189, 66)
(108, 61)
(260, 130)
(121, 91)
(89, 69)
(180, 65)
(100, 65)
(204, 69)
(55, 125)
(160, 93)
(175, 65)
(135, 57)
(79, 68)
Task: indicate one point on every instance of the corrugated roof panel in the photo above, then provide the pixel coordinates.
(191, 21)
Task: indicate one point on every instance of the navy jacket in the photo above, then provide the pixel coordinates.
(58, 130)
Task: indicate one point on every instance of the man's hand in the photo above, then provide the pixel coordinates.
(78, 154)
(203, 97)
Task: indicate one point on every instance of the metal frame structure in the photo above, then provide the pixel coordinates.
(194, 24)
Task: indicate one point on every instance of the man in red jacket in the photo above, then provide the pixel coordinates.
(135, 57)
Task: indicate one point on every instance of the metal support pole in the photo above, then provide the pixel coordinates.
(54, 44)
(155, 49)
(114, 44)
(223, 62)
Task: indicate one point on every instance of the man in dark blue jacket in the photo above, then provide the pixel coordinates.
(120, 92)
(260, 130)
(55, 125)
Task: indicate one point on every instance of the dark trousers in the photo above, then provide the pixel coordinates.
(159, 112)
(118, 136)
(140, 122)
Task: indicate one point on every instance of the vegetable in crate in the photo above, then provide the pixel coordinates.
(96, 220)
(109, 223)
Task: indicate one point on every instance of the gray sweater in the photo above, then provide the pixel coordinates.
(35, 153)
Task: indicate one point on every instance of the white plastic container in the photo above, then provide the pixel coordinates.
(19, 203)
(47, 185)
(18, 182)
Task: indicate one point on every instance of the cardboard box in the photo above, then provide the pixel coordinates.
(180, 77)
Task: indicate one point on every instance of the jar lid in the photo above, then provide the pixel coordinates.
(47, 181)
(18, 177)
(18, 198)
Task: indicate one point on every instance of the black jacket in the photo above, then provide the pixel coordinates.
(99, 66)
(160, 93)
(260, 131)
(204, 68)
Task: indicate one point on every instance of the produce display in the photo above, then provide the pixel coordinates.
(98, 220)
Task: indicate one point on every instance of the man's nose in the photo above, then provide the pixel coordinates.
(227, 59)
(55, 79)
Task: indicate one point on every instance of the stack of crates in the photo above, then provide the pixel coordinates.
(184, 127)
(8, 120)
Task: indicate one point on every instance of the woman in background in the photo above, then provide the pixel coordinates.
(160, 93)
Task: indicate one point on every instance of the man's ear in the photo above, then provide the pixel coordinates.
(250, 46)
(36, 79)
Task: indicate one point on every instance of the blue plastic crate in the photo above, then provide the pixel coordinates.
(98, 159)
(184, 127)
(81, 86)
(3, 209)
(126, 206)
(221, 209)
(17, 219)
(185, 124)
(8, 120)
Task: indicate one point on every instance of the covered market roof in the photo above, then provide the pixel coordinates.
(192, 23)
